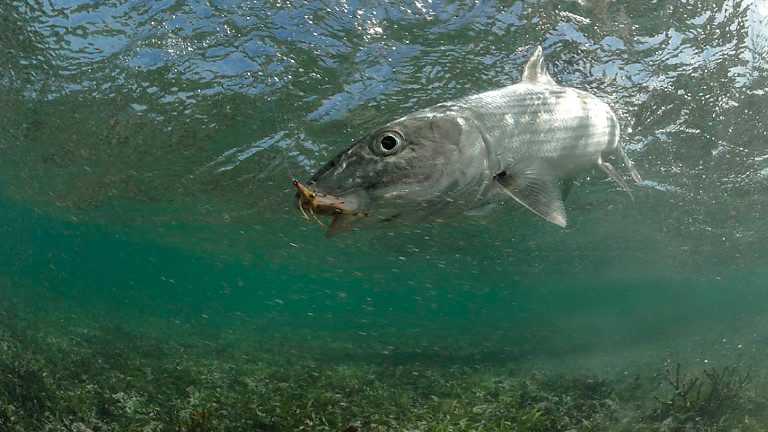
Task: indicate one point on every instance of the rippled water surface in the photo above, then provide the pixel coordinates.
(148, 231)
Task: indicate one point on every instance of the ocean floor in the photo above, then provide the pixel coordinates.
(78, 371)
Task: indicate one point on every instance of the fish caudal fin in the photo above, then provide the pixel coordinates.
(534, 187)
(535, 71)
(612, 173)
(631, 167)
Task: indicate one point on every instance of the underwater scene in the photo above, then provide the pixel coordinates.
(159, 270)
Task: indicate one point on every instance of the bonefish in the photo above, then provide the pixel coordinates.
(526, 141)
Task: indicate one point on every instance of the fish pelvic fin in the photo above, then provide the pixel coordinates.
(567, 188)
(533, 186)
(535, 71)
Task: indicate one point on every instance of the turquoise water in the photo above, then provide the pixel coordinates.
(155, 274)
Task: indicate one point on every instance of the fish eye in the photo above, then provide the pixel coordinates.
(388, 143)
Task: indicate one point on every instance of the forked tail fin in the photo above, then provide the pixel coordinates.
(630, 166)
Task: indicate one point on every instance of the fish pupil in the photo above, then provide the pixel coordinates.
(388, 142)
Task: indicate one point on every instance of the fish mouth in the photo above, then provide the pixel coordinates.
(344, 209)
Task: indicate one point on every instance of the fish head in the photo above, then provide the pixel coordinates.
(403, 172)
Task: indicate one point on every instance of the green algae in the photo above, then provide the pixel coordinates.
(112, 378)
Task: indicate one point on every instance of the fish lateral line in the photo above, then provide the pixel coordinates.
(527, 141)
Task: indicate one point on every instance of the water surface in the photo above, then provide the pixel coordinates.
(146, 153)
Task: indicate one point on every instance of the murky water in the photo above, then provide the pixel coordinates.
(146, 153)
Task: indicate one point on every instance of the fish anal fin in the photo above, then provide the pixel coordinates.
(535, 71)
(535, 189)
(612, 173)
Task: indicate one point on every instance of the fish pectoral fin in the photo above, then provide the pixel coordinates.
(612, 173)
(536, 189)
(535, 71)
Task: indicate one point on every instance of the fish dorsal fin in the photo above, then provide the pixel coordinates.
(535, 71)
(532, 185)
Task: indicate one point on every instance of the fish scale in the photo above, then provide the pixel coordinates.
(520, 141)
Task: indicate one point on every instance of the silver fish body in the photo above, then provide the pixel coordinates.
(518, 141)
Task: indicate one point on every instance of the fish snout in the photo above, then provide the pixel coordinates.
(311, 199)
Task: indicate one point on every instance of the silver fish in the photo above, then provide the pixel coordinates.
(518, 141)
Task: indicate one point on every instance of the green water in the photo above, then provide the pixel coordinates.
(155, 274)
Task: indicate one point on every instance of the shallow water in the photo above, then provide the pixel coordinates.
(146, 153)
